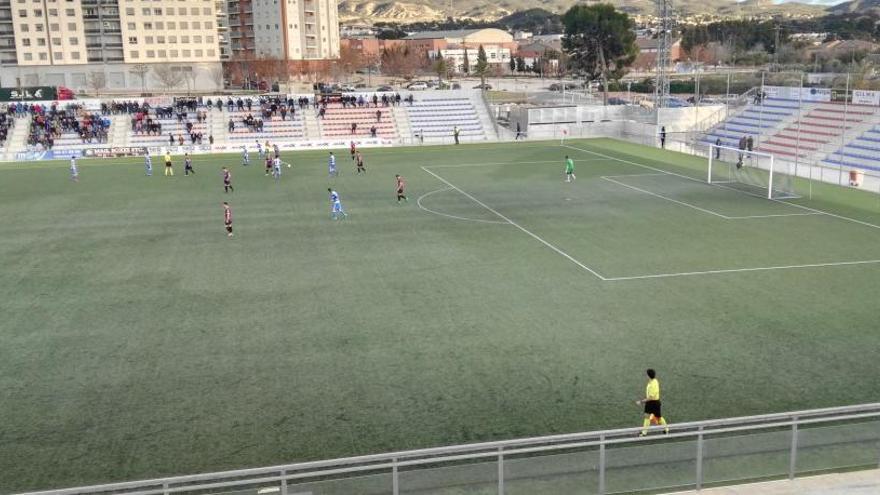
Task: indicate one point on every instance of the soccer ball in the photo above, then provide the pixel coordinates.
(288, 165)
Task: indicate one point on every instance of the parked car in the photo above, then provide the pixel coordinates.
(486, 86)
(347, 88)
(385, 87)
(417, 86)
(616, 101)
(456, 86)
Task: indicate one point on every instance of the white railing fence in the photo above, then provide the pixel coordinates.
(691, 455)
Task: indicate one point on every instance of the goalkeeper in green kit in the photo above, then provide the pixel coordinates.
(569, 169)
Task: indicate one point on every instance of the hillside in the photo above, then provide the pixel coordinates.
(407, 11)
(856, 6)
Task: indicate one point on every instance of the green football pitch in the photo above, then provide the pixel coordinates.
(139, 341)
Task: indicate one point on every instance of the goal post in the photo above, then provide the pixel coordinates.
(753, 172)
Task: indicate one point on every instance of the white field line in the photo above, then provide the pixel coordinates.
(488, 164)
(631, 175)
(740, 270)
(682, 203)
(520, 227)
(704, 210)
(419, 203)
(795, 205)
(776, 215)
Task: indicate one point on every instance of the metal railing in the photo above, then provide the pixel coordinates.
(691, 455)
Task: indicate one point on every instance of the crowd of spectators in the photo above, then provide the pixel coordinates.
(50, 123)
(249, 122)
(386, 100)
(7, 122)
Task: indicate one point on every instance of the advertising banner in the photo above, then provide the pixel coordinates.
(34, 93)
(864, 97)
(47, 155)
(797, 93)
(114, 152)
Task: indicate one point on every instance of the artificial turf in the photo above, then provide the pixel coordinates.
(139, 341)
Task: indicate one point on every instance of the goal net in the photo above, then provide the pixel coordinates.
(753, 172)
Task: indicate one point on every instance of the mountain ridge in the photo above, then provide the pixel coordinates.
(407, 11)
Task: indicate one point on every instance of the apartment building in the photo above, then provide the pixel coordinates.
(155, 44)
(302, 33)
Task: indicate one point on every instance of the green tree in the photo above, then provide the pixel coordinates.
(520, 64)
(440, 68)
(466, 64)
(600, 42)
(481, 70)
(512, 64)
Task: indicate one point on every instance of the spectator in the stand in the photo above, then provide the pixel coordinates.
(750, 143)
(283, 113)
(180, 139)
(717, 148)
(354, 127)
(170, 139)
(231, 125)
(373, 131)
(210, 139)
(378, 115)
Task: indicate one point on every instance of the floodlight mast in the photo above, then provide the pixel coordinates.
(664, 47)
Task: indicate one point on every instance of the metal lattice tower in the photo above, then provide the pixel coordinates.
(664, 47)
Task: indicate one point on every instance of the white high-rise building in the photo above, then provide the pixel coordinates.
(284, 29)
(138, 45)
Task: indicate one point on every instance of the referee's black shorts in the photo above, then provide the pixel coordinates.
(653, 407)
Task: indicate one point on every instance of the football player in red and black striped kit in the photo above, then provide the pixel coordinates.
(227, 218)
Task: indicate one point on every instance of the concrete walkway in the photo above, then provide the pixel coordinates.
(854, 483)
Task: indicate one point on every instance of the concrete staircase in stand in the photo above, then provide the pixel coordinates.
(17, 139)
(485, 114)
(401, 121)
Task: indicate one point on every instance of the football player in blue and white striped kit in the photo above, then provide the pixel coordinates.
(74, 172)
(276, 168)
(245, 158)
(336, 205)
(148, 164)
(331, 165)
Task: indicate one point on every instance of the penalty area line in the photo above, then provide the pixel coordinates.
(741, 270)
(518, 226)
(794, 205)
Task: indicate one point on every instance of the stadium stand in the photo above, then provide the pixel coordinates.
(246, 126)
(819, 125)
(433, 118)
(358, 115)
(755, 120)
(65, 127)
(862, 152)
(7, 123)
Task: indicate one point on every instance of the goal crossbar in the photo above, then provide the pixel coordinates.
(745, 160)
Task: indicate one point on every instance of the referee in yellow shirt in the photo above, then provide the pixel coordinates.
(653, 415)
(168, 169)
